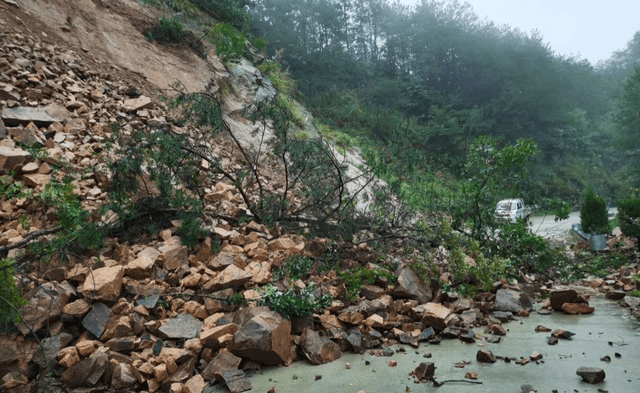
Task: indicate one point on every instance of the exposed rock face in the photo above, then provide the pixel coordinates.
(265, 339)
(319, 350)
(512, 300)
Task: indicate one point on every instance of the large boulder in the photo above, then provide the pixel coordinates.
(512, 300)
(318, 349)
(433, 314)
(558, 297)
(410, 286)
(265, 339)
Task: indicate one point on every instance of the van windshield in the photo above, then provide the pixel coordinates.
(505, 206)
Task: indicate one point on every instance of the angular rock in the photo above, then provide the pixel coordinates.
(425, 370)
(561, 333)
(96, 320)
(45, 303)
(12, 158)
(25, 115)
(174, 256)
(236, 381)
(615, 295)
(485, 356)
(103, 284)
(577, 308)
(195, 384)
(318, 349)
(184, 326)
(86, 372)
(223, 361)
(434, 315)
(135, 104)
(76, 309)
(125, 376)
(591, 374)
(139, 268)
(231, 277)
(559, 297)
(223, 260)
(355, 339)
(410, 286)
(209, 337)
(512, 300)
(265, 339)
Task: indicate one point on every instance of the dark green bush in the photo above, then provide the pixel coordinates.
(231, 11)
(594, 215)
(290, 304)
(10, 293)
(167, 30)
(629, 217)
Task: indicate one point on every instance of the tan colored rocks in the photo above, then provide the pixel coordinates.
(104, 283)
(12, 158)
(265, 339)
(139, 268)
(318, 349)
(174, 256)
(209, 337)
(434, 315)
(577, 308)
(77, 309)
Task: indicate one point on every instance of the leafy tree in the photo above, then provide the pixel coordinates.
(491, 172)
(628, 119)
(594, 215)
(629, 217)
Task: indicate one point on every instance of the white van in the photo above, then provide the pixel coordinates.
(510, 210)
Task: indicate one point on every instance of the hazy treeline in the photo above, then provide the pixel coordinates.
(425, 81)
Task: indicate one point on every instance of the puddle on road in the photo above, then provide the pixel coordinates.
(606, 332)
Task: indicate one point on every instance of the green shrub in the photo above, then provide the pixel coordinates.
(230, 42)
(291, 305)
(355, 279)
(635, 293)
(516, 243)
(629, 217)
(167, 30)
(231, 11)
(594, 215)
(10, 293)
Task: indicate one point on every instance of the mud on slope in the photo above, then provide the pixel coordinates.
(106, 34)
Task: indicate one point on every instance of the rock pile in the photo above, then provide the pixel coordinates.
(157, 316)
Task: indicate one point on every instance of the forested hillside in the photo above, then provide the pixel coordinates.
(421, 83)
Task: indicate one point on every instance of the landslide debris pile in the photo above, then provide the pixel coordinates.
(154, 315)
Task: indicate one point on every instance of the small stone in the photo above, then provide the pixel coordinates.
(485, 356)
(561, 333)
(471, 375)
(591, 374)
(393, 363)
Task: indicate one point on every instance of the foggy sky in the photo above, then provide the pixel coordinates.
(594, 29)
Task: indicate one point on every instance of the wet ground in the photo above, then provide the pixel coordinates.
(545, 226)
(606, 332)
